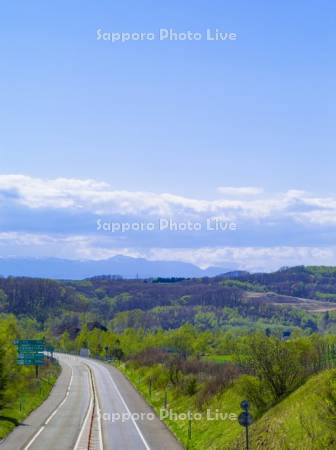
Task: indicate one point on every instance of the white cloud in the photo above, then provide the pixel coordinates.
(83, 247)
(249, 258)
(101, 199)
(91, 248)
(239, 191)
(293, 211)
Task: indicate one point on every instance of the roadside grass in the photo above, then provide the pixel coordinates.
(297, 422)
(209, 431)
(29, 398)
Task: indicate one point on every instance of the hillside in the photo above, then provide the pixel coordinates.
(314, 282)
(207, 303)
(299, 422)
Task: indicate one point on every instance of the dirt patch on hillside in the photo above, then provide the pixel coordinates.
(296, 302)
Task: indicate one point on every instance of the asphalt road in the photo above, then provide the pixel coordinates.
(125, 421)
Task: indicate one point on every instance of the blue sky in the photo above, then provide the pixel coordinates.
(183, 119)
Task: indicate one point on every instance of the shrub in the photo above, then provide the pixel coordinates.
(255, 391)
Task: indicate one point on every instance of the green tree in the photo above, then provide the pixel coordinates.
(276, 363)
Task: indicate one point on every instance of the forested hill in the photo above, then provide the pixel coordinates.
(315, 282)
(208, 303)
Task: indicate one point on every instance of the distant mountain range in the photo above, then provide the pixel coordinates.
(123, 266)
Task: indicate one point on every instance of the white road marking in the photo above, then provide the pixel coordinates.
(36, 435)
(85, 420)
(101, 446)
(90, 411)
(128, 411)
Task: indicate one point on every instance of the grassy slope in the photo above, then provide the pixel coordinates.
(295, 423)
(206, 434)
(28, 400)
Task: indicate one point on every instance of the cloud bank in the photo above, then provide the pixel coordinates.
(57, 217)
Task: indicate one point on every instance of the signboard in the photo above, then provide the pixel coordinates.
(30, 346)
(30, 362)
(245, 419)
(245, 405)
(29, 341)
(37, 356)
(30, 359)
(30, 352)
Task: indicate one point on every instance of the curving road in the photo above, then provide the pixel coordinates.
(93, 407)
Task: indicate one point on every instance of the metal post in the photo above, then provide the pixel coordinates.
(245, 420)
(189, 430)
(165, 400)
(36, 371)
(189, 433)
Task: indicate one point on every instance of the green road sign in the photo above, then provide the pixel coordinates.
(29, 341)
(30, 362)
(30, 348)
(38, 356)
(30, 352)
(30, 359)
(30, 345)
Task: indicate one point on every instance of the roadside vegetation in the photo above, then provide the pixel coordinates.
(185, 371)
(20, 391)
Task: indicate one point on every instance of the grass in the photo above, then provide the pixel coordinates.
(207, 431)
(28, 399)
(297, 422)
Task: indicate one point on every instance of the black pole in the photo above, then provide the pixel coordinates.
(150, 387)
(189, 434)
(165, 399)
(36, 371)
(247, 438)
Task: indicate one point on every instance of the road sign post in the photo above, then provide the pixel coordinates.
(150, 387)
(30, 353)
(245, 420)
(165, 402)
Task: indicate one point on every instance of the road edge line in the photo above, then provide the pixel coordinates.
(49, 418)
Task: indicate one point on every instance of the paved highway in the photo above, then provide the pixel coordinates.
(92, 407)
